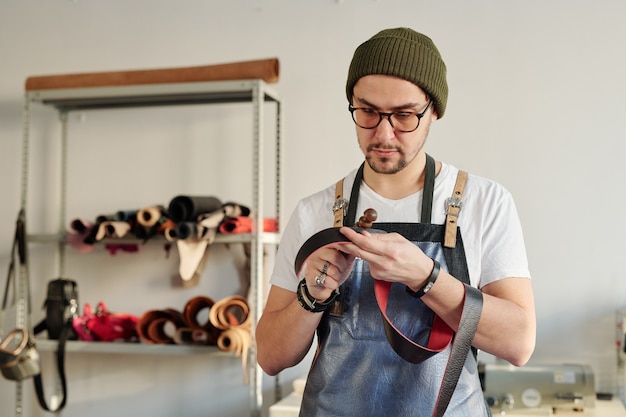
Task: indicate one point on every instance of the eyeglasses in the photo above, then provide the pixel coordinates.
(402, 121)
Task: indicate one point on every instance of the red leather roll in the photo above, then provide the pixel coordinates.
(243, 224)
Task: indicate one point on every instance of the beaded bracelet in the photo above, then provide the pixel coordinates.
(309, 303)
(429, 282)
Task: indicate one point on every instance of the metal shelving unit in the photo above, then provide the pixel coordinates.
(257, 93)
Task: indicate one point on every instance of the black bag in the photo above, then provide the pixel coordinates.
(61, 307)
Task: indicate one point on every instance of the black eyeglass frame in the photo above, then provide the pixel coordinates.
(419, 116)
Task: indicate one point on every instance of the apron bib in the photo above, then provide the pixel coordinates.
(355, 371)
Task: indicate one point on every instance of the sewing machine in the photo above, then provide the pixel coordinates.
(540, 390)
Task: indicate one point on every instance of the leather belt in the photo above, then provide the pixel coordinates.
(441, 334)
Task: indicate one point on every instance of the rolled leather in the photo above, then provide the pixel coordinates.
(243, 224)
(152, 326)
(150, 216)
(230, 312)
(188, 208)
(191, 314)
(232, 316)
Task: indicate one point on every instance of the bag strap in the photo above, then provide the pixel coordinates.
(60, 360)
(19, 251)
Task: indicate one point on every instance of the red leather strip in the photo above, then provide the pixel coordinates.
(440, 335)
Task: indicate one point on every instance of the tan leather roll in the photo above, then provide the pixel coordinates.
(265, 69)
(191, 314)
(232, 315)
(230, 312)
(149, 216)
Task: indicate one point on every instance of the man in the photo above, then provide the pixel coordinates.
(396, 89)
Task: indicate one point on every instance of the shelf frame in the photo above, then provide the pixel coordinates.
(129, 348)
(257, 92)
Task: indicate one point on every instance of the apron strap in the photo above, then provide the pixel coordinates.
(453, 207)
(429, 189)
(349, 218)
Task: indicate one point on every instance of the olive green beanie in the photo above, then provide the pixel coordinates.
(403, 53)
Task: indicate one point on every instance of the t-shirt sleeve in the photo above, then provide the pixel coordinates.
(310, 216)
(502, 247)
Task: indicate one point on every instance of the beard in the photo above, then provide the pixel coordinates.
(386, 165)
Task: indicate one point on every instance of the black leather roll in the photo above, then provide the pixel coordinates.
(188, 208)
(185, 230)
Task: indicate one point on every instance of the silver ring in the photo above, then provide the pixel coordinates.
(319, 279)
(325, 267)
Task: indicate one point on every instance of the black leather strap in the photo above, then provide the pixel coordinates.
(472, 308)
(429, 189)
(60, 360)
(350, 218)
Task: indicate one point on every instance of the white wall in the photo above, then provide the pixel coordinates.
(537, 91)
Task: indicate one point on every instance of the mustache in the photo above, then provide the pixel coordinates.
(384, 147)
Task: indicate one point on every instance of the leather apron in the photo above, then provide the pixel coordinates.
(355, 371)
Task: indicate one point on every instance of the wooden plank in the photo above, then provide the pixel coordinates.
(265, 69)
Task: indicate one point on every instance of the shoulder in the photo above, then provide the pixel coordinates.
(475, 183)
(315, 212)
(311, 214)
(491, 229)
(480, 193)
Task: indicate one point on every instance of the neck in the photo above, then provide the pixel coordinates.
(401, 184)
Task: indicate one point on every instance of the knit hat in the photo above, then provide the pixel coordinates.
(403, 53)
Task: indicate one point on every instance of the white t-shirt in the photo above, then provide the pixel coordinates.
(489, 222)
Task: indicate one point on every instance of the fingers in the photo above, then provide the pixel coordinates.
(326, 269)
(366, 244)
(320, 278)
(390, 256)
